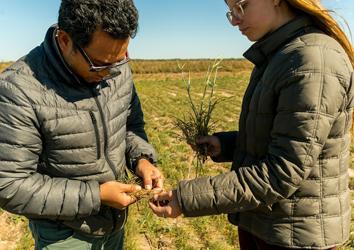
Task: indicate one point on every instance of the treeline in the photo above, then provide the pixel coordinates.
(172, 65)
(191, 65)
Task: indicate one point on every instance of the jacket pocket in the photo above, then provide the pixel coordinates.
(101, 224)
(97, 134)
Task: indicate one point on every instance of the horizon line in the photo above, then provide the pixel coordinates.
(164, 59)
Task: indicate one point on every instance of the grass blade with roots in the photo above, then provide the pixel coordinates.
(197, 122)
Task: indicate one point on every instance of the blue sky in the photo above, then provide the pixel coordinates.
(168, 28)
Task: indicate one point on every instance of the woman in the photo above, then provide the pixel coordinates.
(288, 187)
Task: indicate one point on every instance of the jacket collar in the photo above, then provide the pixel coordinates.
(56, 60)
(262, 50)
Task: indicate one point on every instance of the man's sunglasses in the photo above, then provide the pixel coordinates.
(94, 68)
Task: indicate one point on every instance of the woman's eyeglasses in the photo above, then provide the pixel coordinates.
(237, 11)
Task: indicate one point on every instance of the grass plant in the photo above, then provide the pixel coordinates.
(131, 178)
(197, 121)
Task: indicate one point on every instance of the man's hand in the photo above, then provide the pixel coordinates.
(116, 194)
(152, 177)
(166, 205)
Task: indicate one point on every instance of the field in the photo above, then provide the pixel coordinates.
(163, 96)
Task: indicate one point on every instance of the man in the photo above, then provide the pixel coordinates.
(70, 121)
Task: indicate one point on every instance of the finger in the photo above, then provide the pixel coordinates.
(147, 182)
(156, 174)
(163, 203)
(157, 179)
(129, 188)
(158, 182)
(164, 196)
(211, 150)
(203, 139)
(130, 200)
(124, 201)
(157, 190)
(159, 211)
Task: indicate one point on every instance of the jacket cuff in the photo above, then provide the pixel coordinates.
(179, 199)
(196, 197)
(228, 145)
(96, 199)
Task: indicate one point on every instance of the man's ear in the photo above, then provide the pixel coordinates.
(64, 41)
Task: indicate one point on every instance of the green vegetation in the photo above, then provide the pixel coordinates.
(197, 121)
(163, 97)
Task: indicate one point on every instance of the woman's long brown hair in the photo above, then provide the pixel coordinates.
(327, 24)
(324, 21)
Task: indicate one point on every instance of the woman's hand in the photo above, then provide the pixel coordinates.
(212, 144)
(166, 205)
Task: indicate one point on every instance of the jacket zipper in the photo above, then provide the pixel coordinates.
(95, 126)
(105, 137)
(105, 151)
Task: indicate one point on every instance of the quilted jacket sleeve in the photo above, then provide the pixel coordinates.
(308, 103)
(22, 189)
(137, 141)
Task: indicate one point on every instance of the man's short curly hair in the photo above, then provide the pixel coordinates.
(80, 19)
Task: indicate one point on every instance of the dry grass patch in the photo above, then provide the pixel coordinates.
(171, 66)
(14, 233)
(4, 65)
